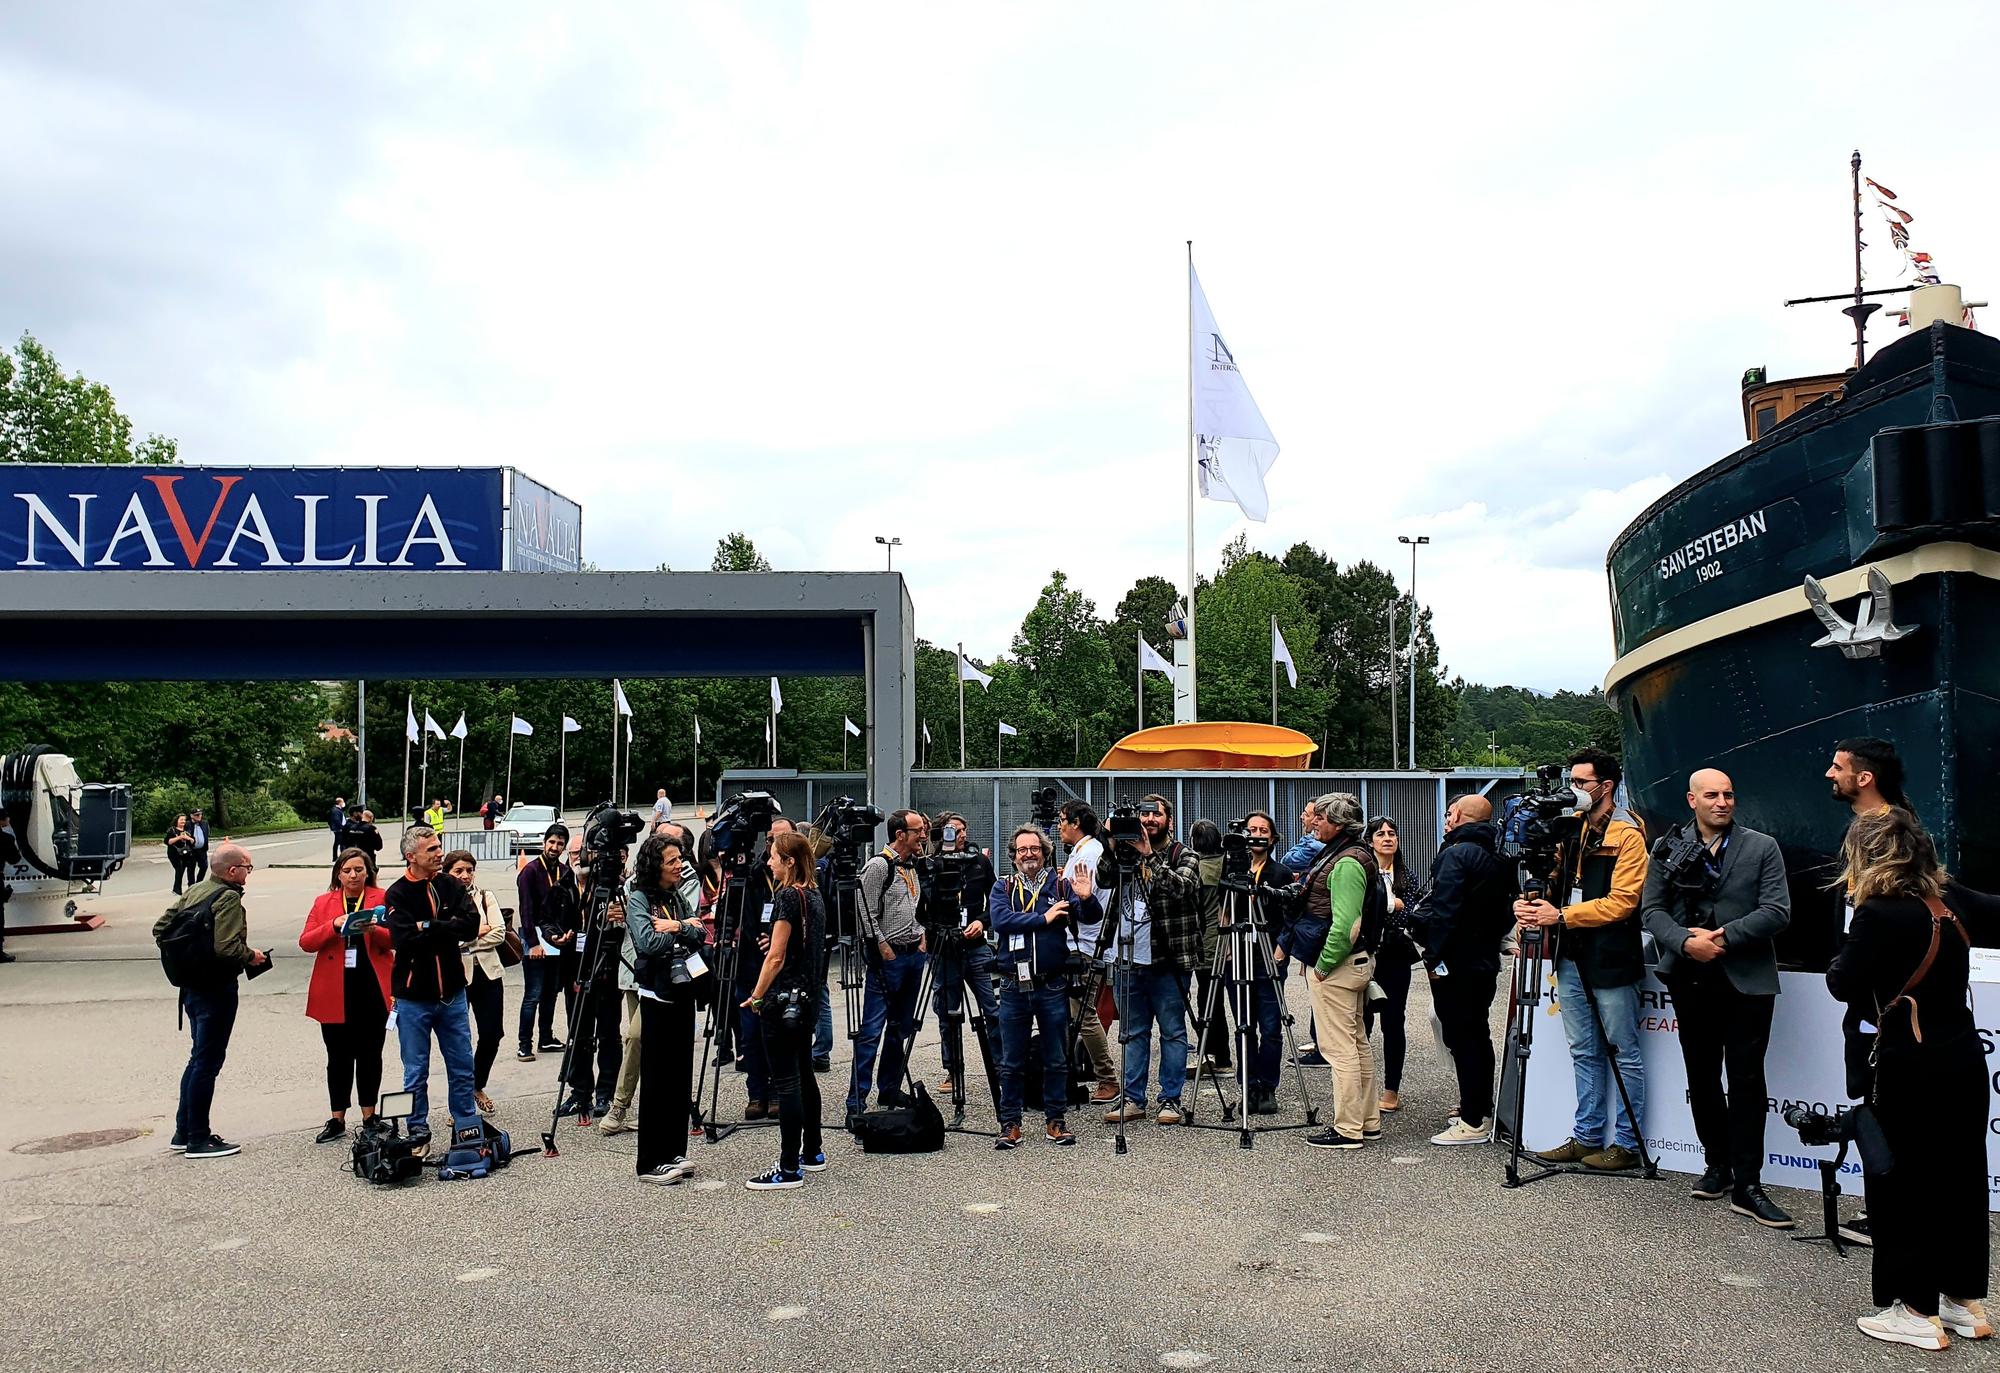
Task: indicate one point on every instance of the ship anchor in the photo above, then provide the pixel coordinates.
(1874, 618)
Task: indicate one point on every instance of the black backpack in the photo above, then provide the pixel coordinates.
(917, 1128)
(187, 944)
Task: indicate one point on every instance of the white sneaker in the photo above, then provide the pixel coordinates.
(668, 1174)
(1965, 1318)
(1458, 1132)
(1897, 1324)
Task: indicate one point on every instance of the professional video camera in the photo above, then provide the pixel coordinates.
(849, 827)
(1237, 852)
(1042, 804)
(1122, 825)
(606, 829)
(743, 819)
(1819, 1129)
(1683, 858)
(943, 875)
(1538, 822)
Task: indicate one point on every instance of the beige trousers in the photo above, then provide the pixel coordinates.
(628, 1068)
(1342, 1036)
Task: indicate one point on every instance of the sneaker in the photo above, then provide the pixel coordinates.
(1569, 1151)
(215, 1146)
(613, 1122)
(1750, 1201)
(1965, 1318)
(177, 1144)
(668, 1174)
(1009, 1138)
(822, 1065)
(1616, 1159)
(1170, 1113)
(1856, 1231)
(570, 1106)
(1058, 1134)
(1371, 1134)
(777, 1180)
(551, 1046)
(378, 1125)
(1897, 1324)
(1332, 1139)
(1131, 1110)
(599, 1107)
(524, 1056)
(1263, 1100)
(1309, 1058)
(335, 1128)
(813, 1163)
(1713, 1183)
(1458, 1132)
(482, 1102)
(1103, 1093)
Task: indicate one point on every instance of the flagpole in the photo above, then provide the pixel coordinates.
(961, 705)
(458, 802)
(999, 748)
(1194, 712)
(361, 744)
(696, 784)
(1274, 669)
(424, 769)
(616, 721)
(408, 707)
(510, 759)
(843, 746)
(1139, 685)
(562, 770)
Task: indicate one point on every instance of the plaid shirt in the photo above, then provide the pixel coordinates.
(1171, 883)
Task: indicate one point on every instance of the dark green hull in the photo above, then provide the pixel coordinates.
(1715, 638)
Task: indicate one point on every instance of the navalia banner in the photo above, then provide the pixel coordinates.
(547, 529)
(80, 518)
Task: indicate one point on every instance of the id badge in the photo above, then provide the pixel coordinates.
(581, 935)
(1138, 910)
(697, 966)
(769, 906)
(353, 957)
(1576, 896)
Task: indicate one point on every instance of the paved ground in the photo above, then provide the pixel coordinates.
(1185, 1252)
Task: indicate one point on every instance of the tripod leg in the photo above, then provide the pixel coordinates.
(1267, 967)
(1650, 1169)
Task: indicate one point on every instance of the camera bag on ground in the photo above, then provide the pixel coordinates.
(916, 1128)
(187, 944)
(476, 1152)
(386, 1157)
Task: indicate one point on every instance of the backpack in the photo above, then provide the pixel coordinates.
(917, 1128)
(478, 1157)
(187, 944)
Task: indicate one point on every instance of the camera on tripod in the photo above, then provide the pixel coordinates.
(1042, 803)
(1238, 851)
(1684, 859)
(943, 875)
(1537, 823)
(743, 819)
(1819, 1129)
(606, 832)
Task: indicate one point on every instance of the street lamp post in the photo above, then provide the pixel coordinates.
(890, 546)
(1414, 543)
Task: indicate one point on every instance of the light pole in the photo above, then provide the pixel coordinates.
(889, 546)
(1415, 543)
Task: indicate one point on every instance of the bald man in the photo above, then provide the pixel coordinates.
(1712, 920)
(1462, 925)
(208, 991)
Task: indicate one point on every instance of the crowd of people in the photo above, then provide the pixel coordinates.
(1131, 931)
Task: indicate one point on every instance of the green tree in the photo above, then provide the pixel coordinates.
(736, 553)
(1068, 680)
(49, 416)
(1233, 629)
(1145, 609)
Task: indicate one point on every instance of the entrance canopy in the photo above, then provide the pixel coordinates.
(115, 625)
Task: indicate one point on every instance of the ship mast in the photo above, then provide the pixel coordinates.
(1860, 309)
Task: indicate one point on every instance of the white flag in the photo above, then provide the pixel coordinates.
(852, 728)
(618, 698)
(1282, 653)
(570, 726)
(522, 726)
(1232, 443)
(628, 729)
(697, 729)
(927, 734)
(1008, 729)
(432, 727)
(458, 730)
(1151, 661)
(968, 673)
(410, 720)
(767, 733)
(777, 696)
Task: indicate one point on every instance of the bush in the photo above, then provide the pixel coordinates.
(154, 809)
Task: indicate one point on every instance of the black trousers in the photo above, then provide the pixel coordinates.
(1392, 975)
(789, 1053)
(666, 1079)
(354, 1056)
(180, 865)
(1722, 1027)
(1464, 1003)
(594, 1034)
(1928, 1217)
(1215, 1036)
(484, 995)
(198, 863)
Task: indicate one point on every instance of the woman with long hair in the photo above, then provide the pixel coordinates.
(1905, 966)
(483, 988)
(1395, 957)
(783, 1001)
(666, 937)
(180, 849)
(349, 992)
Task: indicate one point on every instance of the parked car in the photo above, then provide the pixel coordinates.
(525, 826)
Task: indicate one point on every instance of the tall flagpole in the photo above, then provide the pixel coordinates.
(616, 720)
(408, 706)
(1274, 669)
(361, 744)
(458, 804)
(424, 770)
(696, 784)
(1140, 684)
(960, 667)
(1194, 712)
(562, 770)
(510, 758)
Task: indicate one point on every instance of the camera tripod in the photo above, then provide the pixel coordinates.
(1118, 915)
(719, 1023)
(607, 884)
(1244, 968)
(1829, 1204)
(946, 973)
(1529, 965)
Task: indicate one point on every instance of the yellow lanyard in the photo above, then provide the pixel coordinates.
(1021, 889)
(353, 904)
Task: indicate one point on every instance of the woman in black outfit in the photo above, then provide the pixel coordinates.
(1905, 966)
(784, 1002)
(180, 846)
(664, 931)
(1394, 959)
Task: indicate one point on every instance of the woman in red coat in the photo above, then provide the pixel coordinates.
(349, 995)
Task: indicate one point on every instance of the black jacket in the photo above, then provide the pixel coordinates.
(427, 922)
(1471, 903)
(1883, 949)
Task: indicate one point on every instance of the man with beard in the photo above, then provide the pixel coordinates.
(1159, 926)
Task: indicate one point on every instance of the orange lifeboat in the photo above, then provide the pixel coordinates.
(1206, 744)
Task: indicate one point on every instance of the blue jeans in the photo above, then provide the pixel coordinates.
(822, 1046)
(211, 1015)
(1264, 1031)
(416, 1022)
(539, 981)
(1152, 994)
(888, 1007)
(1020, 1010)
(980, 963)
(750, 1055)
(1598, 1109)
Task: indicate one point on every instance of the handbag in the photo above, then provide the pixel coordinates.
(510, 950)
(915, 1128)
(1877, 1159)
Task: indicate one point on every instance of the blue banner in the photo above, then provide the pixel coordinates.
(547, 529)
(82, 518)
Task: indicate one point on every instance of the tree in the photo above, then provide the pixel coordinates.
(1068, 678)
(1234, 636)
(47, 416)
(1145, 609)
(736, 553)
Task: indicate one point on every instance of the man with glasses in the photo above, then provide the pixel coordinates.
(1298, 859)
(209, 1000)
(430, 915)
(1076, 826)
(1031, 910)
(888, 898)
(1599, 961)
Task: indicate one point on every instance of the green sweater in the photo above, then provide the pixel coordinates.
(1348, 883)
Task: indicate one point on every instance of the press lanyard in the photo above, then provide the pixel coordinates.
(1034, 894)
(353, 904)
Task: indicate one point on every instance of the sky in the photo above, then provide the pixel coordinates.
(822, 272)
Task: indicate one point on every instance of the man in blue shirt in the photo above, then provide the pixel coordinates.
(198, 854)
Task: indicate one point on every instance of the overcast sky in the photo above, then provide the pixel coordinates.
(823, 272)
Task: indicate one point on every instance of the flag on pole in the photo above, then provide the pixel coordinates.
(458, 730)
(1232, 443)
(767, 732)
(570, 726)
(852, 728)
(628, 729)
(410, 720)
(1009, 730)
(968, 673)
(1282, 653)
(927, 734)
(432, 727)
(1151, 661)
(522, 726)
(618, 698)
(777, 697)
(697, 729)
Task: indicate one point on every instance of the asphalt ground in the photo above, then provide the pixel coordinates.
(1187, 1251)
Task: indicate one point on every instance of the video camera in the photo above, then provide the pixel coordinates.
(743, 820)
(1537, 823)
(1042, 804)
(847, 821)
(1237, 851)
(1684, 859)
(606, 833)
(1820, 1130)
(943, 875)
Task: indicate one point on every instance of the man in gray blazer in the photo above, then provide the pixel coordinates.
(1712, 918)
